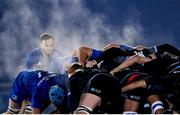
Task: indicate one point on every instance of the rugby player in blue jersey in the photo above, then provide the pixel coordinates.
(33, 86)
(49, 59)
(46, 53)
(36, 87)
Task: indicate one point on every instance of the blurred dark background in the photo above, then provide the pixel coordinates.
(73, 22)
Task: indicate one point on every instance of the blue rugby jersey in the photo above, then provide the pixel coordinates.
(28, 84)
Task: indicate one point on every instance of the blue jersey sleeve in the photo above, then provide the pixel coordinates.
(95, 53)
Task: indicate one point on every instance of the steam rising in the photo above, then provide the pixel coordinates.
(72, 24)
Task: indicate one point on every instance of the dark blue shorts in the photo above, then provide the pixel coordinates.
(18, 91)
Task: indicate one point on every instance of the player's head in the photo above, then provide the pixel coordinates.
(57, 95)
(71, 69)
(47, 43)
(33, 60)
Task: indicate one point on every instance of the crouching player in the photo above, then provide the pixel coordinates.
(33, 86)
(103, 93)
(105, 90)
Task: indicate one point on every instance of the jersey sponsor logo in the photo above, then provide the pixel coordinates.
(135, 97)
(95, 90)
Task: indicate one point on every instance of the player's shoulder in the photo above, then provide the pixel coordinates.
(36, 50)
(34, 53)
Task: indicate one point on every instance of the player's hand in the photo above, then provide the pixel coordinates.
(91, 63)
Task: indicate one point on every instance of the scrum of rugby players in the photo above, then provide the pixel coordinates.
(118, 79)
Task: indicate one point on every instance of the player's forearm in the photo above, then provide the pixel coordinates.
(84, 53)
(125, 64)
(82, 58)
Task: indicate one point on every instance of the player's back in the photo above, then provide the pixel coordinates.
(40, 98)
(30, 79)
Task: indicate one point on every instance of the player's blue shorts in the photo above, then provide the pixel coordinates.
(25, 84)
(95, 53)
(18, 90)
